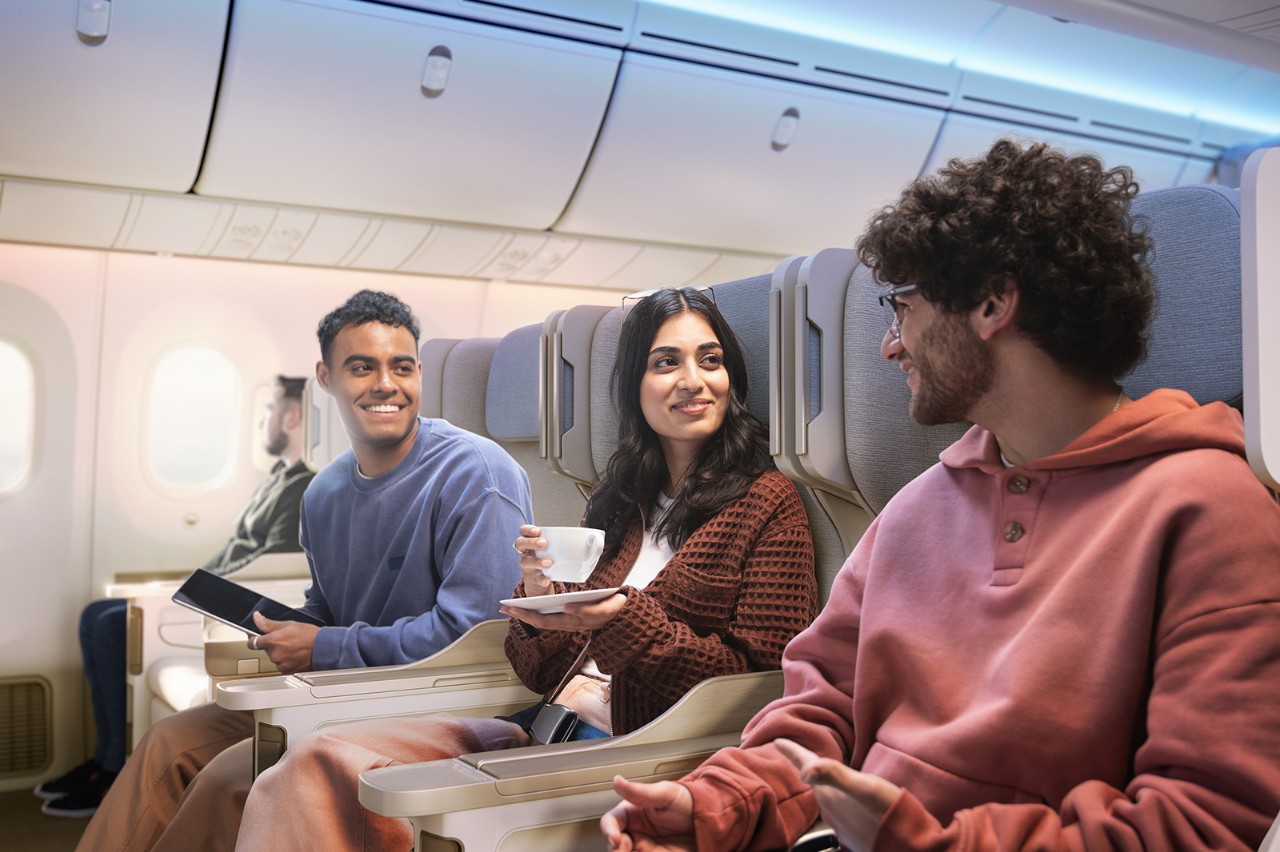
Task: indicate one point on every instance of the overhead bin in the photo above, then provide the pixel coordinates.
(115, 93)
(968, 136)
(711, 157)
(369, 107)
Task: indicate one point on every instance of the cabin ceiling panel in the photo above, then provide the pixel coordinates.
(699, 156)
(38, 213)
(359, 106)
(123, 100)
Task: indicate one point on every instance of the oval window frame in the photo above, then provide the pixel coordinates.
(156, 457)
(26, 365)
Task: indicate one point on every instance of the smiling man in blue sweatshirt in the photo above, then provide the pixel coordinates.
(408, 535)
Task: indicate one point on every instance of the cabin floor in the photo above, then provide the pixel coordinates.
(28, 830)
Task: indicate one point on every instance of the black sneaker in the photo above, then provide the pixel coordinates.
(64, 784)
(82, 802)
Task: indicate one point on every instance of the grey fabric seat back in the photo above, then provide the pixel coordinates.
(513, 402)
(745, 306)
(463, 380)
(324, 437)
(1194, 341)
(885, 447)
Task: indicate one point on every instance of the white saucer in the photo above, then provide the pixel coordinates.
(555, 603)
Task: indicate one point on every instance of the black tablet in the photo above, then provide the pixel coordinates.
(233, 604)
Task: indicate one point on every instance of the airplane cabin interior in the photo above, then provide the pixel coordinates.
(186, 188)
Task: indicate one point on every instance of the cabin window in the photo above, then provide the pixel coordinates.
(17, 416)
(192, 417)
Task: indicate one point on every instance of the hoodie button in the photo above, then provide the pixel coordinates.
(1013, 531)
(1019, 484)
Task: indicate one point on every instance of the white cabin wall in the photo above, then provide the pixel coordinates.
(52, 306)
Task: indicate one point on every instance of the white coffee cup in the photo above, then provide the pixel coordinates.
(573, 552)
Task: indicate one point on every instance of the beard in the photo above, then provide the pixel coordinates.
(954, 369)
(276, 441)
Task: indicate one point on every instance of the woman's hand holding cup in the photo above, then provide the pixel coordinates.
(567, 554)
(530, 541)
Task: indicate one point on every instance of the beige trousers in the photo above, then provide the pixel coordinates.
(182, 788)
(309, 799)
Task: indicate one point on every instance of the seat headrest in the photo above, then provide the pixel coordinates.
(886, 448)
(1194, 342)
(1194, 339)
(511, 401)
(463, 383)
(744, 304)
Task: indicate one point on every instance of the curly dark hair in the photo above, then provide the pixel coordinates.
(365, 306)
(724, 470)
(1056, 226)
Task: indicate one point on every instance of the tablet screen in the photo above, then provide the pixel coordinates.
(232, 603)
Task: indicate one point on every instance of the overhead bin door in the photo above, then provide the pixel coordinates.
(709, 157)
(108, 93)
(360, 106)
(967, 136)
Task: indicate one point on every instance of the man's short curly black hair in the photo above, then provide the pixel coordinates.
(1056, 226)
(365, 306)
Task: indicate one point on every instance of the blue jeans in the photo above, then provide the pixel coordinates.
(102, 645)
(524, 719)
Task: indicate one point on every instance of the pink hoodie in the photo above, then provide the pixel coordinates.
(1082, 652)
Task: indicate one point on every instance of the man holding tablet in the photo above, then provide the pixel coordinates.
(408, 536)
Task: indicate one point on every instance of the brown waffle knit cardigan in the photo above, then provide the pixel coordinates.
(728, 602)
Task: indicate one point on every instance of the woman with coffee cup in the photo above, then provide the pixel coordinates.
(702, 536)
(706, 570)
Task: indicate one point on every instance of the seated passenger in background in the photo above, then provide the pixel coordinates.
(709, 544)
(1066, 635)
(268, 524)
(406, 536)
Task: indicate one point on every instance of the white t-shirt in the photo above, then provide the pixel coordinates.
(654, 556)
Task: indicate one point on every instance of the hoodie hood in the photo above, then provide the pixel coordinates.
(1160, 422)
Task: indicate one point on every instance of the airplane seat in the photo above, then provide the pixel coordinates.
(568, 366)
(1195, 339)
(515, 417)
(463, 379)
(746, 305)
(324, 438)
(175, 686)
(821, 309)
(551, 796)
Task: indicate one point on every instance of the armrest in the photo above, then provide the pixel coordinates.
(709, 717)
(476, 657)
(470, 677)
(227, 653)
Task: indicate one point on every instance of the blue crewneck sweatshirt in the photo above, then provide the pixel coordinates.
(404, 563)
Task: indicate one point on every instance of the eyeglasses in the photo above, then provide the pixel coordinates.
(709, 292)
(893, 308)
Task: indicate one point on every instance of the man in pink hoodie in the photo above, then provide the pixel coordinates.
(1066, 635)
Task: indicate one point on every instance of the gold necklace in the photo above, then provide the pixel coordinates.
(1119, 399)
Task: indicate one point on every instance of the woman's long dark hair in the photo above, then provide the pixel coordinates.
(637, 471)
